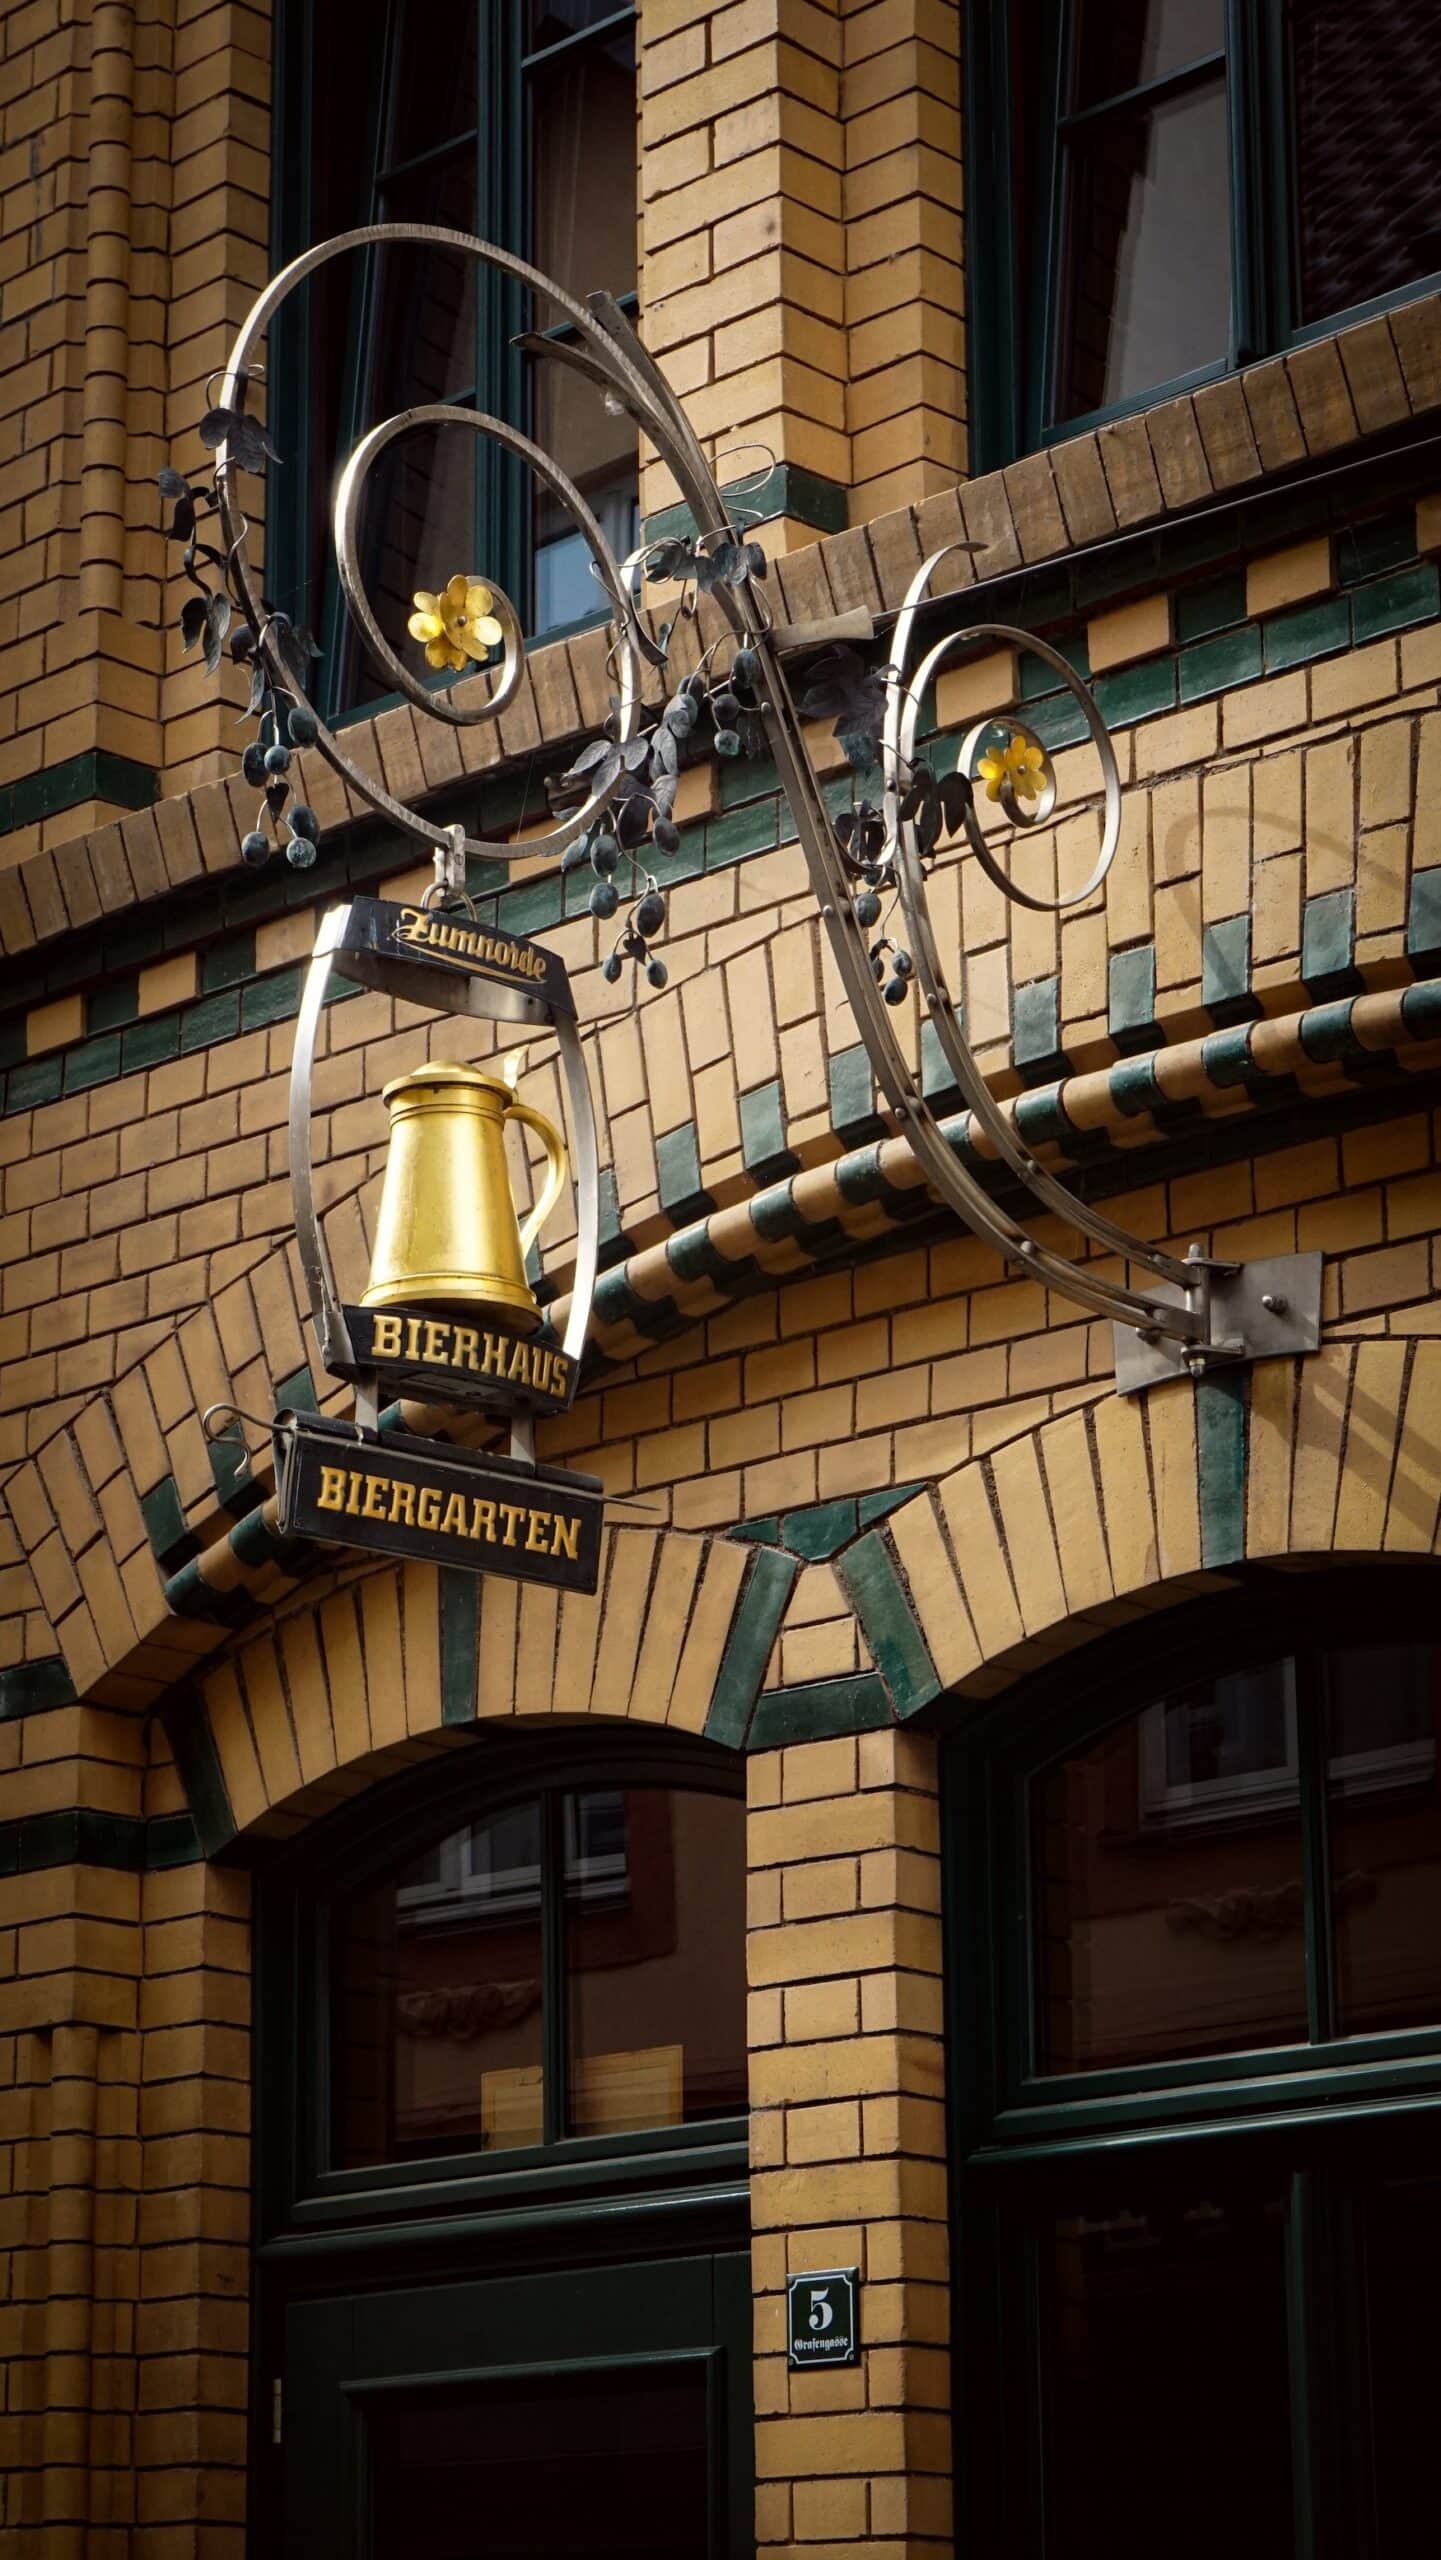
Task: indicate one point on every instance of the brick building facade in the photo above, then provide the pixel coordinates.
(863, 1481)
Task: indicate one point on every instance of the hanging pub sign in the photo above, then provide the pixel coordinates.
(424, 1499)
(449, 1313)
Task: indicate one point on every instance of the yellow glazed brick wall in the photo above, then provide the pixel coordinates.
(133, 185)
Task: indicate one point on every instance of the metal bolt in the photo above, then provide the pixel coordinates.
(1274, 1304)
(1196, 1363)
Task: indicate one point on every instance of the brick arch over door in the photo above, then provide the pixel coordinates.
(409, 1660)
(1079, 1524)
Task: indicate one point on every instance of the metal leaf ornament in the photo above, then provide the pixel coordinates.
(843, 689)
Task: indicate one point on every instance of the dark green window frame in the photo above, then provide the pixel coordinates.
(500, 133)
(1013, 243)
(1333, 2118)
(300, 2196)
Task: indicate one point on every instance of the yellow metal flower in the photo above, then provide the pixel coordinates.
(1020, 765)
(457, 624)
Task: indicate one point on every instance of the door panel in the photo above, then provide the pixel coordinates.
(615, 2397)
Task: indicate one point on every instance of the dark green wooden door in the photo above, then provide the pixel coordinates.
(548, 2413)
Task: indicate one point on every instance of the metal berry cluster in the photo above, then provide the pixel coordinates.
(643, 776)
(843, 688)
(207, 620)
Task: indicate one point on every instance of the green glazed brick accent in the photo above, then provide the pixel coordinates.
(235, 1487)
(227, 963)
(215, 1018)
(92, 776)
(817, 1710)
(613, 1242)
(187, 1730)
(1036, 678)
(80, 1836)
(1306, 631)
(95, 1062)
(786, 490)
(938, 1084)
(1226, 969)
(853, 1103)
(1215, 666)
(1058, 722)
(819, 1530)
(1369, 550)
(110, 1008)
(533, 906)
(878, 1506)
(1394, 604)
(1216, 606)
(1035, 1028)
(1137, 693)
(763, 1144)
(33, 1688)
(1131, 997)
(764, 1593)
(880, 1602)
(1328, 942)
(735, 833)
(150, 1044)
(298, 1391)
(12, 1043)
(459, 1644)
(741, 778)
(30, 1087)
(677, 1157)
(1423, 922)
(170, 1540)
(274, 999)
(189, 1595)
(764, 1532)
(1221, 1416)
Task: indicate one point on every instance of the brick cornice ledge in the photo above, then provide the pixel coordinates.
(1309, 406)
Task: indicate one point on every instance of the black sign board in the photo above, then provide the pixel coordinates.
(400, 1496)
(825, 2318)
(410, 951)
(417, 1352)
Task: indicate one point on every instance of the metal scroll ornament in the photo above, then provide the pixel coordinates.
(1170, 1312)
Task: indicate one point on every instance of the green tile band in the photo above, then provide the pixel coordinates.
(754, 1628)
(880, 1601)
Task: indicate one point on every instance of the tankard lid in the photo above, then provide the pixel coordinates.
(450, 1076)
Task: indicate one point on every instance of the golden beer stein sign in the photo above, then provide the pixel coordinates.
(448, 1235)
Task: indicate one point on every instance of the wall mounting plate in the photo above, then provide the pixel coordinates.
(1258, 1311)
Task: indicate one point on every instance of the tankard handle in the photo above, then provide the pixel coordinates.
(557, 1167)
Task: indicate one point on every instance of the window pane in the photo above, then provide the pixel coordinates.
(1147, 293)
(1167, 1859)
(1385, 1813)
(424, 111)
(551, 21)
(438, 2006)
(1121, 44)
(655, 1958)
(1164, 2375)
(1367, 90)
(1403, 2273)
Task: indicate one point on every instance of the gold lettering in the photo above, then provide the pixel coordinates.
(376, 1489)
(402, 1503)
(565, 1536)
(536, 1526)
(427, 1509)
(482, 1519)
(512, 1513)
(465, 1350)
(457, 1519)
(353, 1505)
(388, 1338)
(332, 1489)
(520, 1363)
(435, 1338)
(496, 1347)
(412, 1338)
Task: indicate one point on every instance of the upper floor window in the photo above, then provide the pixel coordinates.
(513, 119)
(1193, 184)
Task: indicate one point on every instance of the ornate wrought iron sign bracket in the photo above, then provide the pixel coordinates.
(471, 1346)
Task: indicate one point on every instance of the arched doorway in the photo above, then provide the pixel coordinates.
(1195, 1923)
(503, 2286)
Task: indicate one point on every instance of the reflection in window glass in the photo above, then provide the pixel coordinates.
(1124, 44)
(1169, 1882)
(1403, 2271)
(1147, 293)
(1366, 91)
(1385, 1835)
(655, 1920)
(1164, 2374)
(439, 2008)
